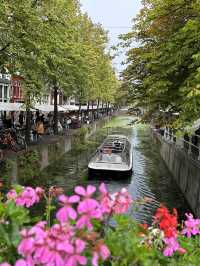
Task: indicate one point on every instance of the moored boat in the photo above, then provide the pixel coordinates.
(114, 156)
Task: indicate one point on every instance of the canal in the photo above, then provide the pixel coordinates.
(150, 179)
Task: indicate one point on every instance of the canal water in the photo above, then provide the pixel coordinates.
(150, 179)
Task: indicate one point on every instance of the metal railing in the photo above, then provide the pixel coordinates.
(186, 145)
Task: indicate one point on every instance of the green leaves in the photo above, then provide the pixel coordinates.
(164, 70)
(51, 43)
(12, 220)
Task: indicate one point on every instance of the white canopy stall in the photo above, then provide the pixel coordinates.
(9, 107)
(48, 108)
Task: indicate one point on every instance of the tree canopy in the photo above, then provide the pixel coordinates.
(163, 71)
(52, 43)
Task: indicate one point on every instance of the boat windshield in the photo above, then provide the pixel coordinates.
(110, 158)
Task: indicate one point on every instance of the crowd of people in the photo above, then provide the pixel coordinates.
(13, 125)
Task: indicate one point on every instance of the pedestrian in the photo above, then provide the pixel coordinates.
(40, 129)
(21, 119)
(186, 141)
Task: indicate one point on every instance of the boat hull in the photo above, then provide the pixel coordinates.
(104, 174)
(112, 159)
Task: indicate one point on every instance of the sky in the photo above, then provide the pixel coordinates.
(115, 16)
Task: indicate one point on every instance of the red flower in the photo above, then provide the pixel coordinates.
(166, 221)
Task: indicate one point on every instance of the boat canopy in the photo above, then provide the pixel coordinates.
(114, 144)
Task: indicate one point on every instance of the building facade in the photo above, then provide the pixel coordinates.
(4, 88)
(16, 94)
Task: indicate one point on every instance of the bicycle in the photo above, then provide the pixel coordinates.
(7, 141)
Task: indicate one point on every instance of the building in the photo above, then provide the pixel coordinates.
(16, 95)
(5, 88)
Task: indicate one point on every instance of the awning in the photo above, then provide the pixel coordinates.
(17, 107)
(69, 107)
(12, 107)
(48, 108)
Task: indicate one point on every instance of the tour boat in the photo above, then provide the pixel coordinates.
(114, 156)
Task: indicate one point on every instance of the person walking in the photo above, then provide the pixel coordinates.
(40, 129)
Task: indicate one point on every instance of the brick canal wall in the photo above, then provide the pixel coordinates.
(185, 170)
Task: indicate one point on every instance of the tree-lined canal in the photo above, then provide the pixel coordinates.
(150, 177)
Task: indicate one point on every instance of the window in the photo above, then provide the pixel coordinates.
(5, 94)
(1, 93)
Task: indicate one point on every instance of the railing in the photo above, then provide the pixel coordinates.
(186, 145)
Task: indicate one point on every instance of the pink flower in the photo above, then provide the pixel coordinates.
(181, 250)
(12, 194)
(22, 262)
(172, 246)
(27, 198)
(39, 230)
(67, 212)
(39, 191)
(26, 245)
(105, 200)
(55, 246)
(76, 258)
(5, 264)
(192, 226)
(100, 251)
(88, 212)
(86, 194)
(121, 201)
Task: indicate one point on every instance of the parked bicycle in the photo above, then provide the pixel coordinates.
(20, 138)
(13, 140)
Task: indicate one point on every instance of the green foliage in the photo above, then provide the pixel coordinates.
(125, 245)
(163, 71)
(12, 219)
(125, 241)
(28, 167)
(53, 44)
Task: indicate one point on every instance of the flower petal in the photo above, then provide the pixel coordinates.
(62, 215)
(90, 190)
(74, 199)
(81, 259)
(80, 190)
(62, 198)
(80, 245)
(103, 189)
(71, 213)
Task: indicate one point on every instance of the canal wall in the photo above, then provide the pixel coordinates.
(185, 170)
(41, 155)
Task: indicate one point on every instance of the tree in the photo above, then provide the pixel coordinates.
(163, 71)
(52, 44)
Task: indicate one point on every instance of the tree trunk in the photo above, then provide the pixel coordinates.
(108, 107)
(92, 111)
(98, 108)
(88, 106)
(55, 116)
(79, 108)
(28, 121)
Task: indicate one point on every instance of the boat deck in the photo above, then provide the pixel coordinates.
(114, 155)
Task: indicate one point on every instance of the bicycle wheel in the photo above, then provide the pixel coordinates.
(14, 147)
(22, 143)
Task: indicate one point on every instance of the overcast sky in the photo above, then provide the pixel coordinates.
(115, 16)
